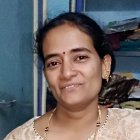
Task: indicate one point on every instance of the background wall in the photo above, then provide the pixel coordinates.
(105, 11)
(16, 22)
(57, 7)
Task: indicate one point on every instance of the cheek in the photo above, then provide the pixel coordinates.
(93, 76)
(93, 70)
(95, 80)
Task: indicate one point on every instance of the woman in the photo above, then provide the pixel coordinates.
(76, 59)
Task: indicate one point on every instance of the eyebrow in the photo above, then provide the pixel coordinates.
(83, 49)
(48, 56)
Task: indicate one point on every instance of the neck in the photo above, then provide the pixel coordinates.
(74, 118)
(79, 108)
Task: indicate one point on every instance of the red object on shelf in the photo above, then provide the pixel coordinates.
(115, 40)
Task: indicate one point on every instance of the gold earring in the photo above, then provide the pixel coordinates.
(106, 76)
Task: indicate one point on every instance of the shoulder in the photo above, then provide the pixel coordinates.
(21, 131)
(127, 116)
(127, 121)
(125, 113)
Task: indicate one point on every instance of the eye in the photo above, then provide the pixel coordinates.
(81, 58)
(52, 64)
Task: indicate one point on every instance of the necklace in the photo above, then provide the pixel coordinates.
(94, 134)
(92, 137)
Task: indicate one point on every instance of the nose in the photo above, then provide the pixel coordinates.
(67, 70)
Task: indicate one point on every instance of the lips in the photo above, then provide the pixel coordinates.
(70, 86)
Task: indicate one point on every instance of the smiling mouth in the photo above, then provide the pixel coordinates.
(71, 86)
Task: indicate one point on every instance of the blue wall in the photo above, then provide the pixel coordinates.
(56, 7)
(16, 20)
(16, 47)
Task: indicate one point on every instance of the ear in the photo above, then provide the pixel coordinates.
(106, 67)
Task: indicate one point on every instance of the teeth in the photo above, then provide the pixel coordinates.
(71, 86)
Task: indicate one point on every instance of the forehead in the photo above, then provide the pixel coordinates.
(64, 38)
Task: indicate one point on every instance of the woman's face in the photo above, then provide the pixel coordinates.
(73, 68)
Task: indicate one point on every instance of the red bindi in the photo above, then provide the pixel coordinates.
(63, 52)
